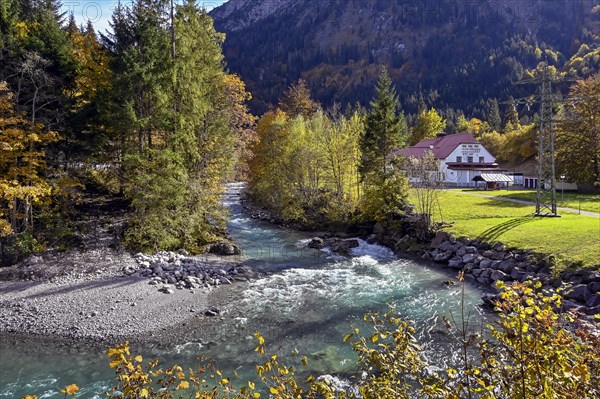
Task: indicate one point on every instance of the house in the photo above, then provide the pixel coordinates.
(461, 158)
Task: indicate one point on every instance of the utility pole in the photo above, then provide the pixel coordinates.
(546, 204)
(546, 168)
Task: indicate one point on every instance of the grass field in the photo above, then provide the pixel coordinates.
(585, 202)
(573, 238)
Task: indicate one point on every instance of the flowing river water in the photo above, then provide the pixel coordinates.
(306, 300)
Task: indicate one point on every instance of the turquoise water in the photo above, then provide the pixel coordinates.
(307, 301)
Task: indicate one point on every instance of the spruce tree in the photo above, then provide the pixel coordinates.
(494, 118)
(385, 187)
(385, 130)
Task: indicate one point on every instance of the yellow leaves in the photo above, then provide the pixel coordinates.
(139, 359)
(347, 337)
(70, 390)
(183, 385)
(304, 361)
(144, 393)
(30, 397)
(251, 385)
(274, 391)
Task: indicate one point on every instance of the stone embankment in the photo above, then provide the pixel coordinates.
(486, 264)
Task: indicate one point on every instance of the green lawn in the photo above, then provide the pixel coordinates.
(585, 202)
(573, 237)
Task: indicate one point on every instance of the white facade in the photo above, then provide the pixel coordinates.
(474, 160)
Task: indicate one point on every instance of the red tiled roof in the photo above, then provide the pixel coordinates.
(441, 146)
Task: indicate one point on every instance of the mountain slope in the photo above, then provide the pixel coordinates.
(454, 52)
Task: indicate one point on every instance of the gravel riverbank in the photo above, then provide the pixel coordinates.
(97, 301)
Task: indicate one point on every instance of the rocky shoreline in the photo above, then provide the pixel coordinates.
(482, 263)
(486, 264)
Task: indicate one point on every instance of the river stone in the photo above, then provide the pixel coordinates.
(500, 247)
(471, 250)
(499, 275)
(443, 257)
(469, 258)
(518, 274)
(461, 251)
(578, 293)
(455, 263)
(506, 266)
(594, 287)
(593, 301)
(445, 246)
(343, 246)
(468, 268)
(485, 264)
(440, 237)
(316, 243)
(483, 280)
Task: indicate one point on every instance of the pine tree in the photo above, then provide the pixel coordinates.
(385, 188)
(385, 129)
(493, 113)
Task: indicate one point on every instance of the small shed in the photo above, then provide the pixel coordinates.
(493, 181)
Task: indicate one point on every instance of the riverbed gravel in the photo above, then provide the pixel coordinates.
(97, 301)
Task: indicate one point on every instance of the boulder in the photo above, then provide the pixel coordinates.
(578, 293)
(316, 243)
(343, 246)
(471, 250)
(506, 266)
(500, 247)
(443, 257)
(594, 287)
(593, 301)
(455, 263)
(439, 238)
(485, 264)
(498, 275)
(469, 258)
(224, 248)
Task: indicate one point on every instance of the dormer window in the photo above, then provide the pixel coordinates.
(470, 159)
(459, 159)
(481, 160)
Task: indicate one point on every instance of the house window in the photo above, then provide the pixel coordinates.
(470, 159)
(481, 159)
(459, 159)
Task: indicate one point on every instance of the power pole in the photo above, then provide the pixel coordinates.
(546, 204)
(546, 167)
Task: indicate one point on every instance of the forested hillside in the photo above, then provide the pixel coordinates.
(457, 54)
(147, 112)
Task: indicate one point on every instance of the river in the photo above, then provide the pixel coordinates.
(306, 300)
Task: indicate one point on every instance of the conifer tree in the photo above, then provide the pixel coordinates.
(385, 129)
(494, 118)
(385, 188)
(511, 116)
